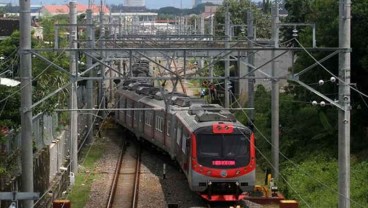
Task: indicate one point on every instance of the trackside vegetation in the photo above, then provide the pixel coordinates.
(309, 134)
(90, 156)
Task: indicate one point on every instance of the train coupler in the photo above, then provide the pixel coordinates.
(209, 190)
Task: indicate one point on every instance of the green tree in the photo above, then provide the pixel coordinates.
(46, 78)
(9, 96)
(266, 6)
(48, 24)
(9, 108)
(302, 126)
(238, 14)
(324, 13)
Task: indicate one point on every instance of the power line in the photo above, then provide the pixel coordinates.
(292, 162)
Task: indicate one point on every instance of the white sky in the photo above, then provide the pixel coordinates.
(150, 4)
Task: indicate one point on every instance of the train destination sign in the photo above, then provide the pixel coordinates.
(223, 162)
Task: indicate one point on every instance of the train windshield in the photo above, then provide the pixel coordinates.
(223, 150)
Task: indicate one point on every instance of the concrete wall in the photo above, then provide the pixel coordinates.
(58, 152)
(263, 74)
(51, 153)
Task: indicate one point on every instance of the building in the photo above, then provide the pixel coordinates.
(64, 9)
(197, 2)
(134, 3)
(209, 11)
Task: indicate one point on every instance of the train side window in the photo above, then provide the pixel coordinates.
(148, 118)
(140, 116)
(159, 122)
(168, 127)
(178, 135)
(122, 102)
(135, 115)
(129, 112)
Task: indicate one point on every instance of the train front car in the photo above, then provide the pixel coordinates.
(222, 161)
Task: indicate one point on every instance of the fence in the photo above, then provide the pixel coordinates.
(50, 132)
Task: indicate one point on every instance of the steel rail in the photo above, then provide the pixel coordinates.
(115, 179)
(136, 178)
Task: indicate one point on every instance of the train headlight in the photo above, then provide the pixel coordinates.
(237, 172)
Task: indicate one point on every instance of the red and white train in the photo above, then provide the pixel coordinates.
(214, 150)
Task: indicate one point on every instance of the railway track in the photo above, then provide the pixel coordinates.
(141, 171)
(124, 189)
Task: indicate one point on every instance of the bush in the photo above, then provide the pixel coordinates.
(315, 182)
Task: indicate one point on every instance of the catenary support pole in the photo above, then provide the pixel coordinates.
(73, 90)
(227, 61)
(251, 64)
(344, 100)
(90, 99)
(211, 39)
(26, 99)
(275, 94)
(202, 24)
(101, 97)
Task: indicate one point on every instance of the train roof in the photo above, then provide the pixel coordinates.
(192, 111)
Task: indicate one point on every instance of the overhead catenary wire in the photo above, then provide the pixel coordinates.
(83, 141)
(79, 149)
(267, 160)
(0, 113)
(328, 71)
(43, 71)
(291, 162)
(33, 79)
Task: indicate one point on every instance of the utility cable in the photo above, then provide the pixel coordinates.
(292, 162)
(70, 162)
(283, 177)
(320, 64)
(89, 130)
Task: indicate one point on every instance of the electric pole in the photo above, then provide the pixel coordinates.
(90, 91)
(275, 94)
(26, 99)
(101, 97)
(344, 101)
(250, 56)
(73, 90)
(227, 57)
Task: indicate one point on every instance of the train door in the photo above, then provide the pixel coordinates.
(131, 114)
(135, 117)
(179, 134)
(148, 123)
(185, 151)
(160, 129)
(167, 133)
(141, 120)
(122, 111)
(172, 137)
(128, 118)
(153, 116)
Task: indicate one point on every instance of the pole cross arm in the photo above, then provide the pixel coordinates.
(50, 62)
(15, 196)
(296, 79)
(103, 63)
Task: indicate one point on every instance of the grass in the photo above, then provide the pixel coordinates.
(80, 192)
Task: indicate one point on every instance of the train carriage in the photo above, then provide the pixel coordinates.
(214, 150)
